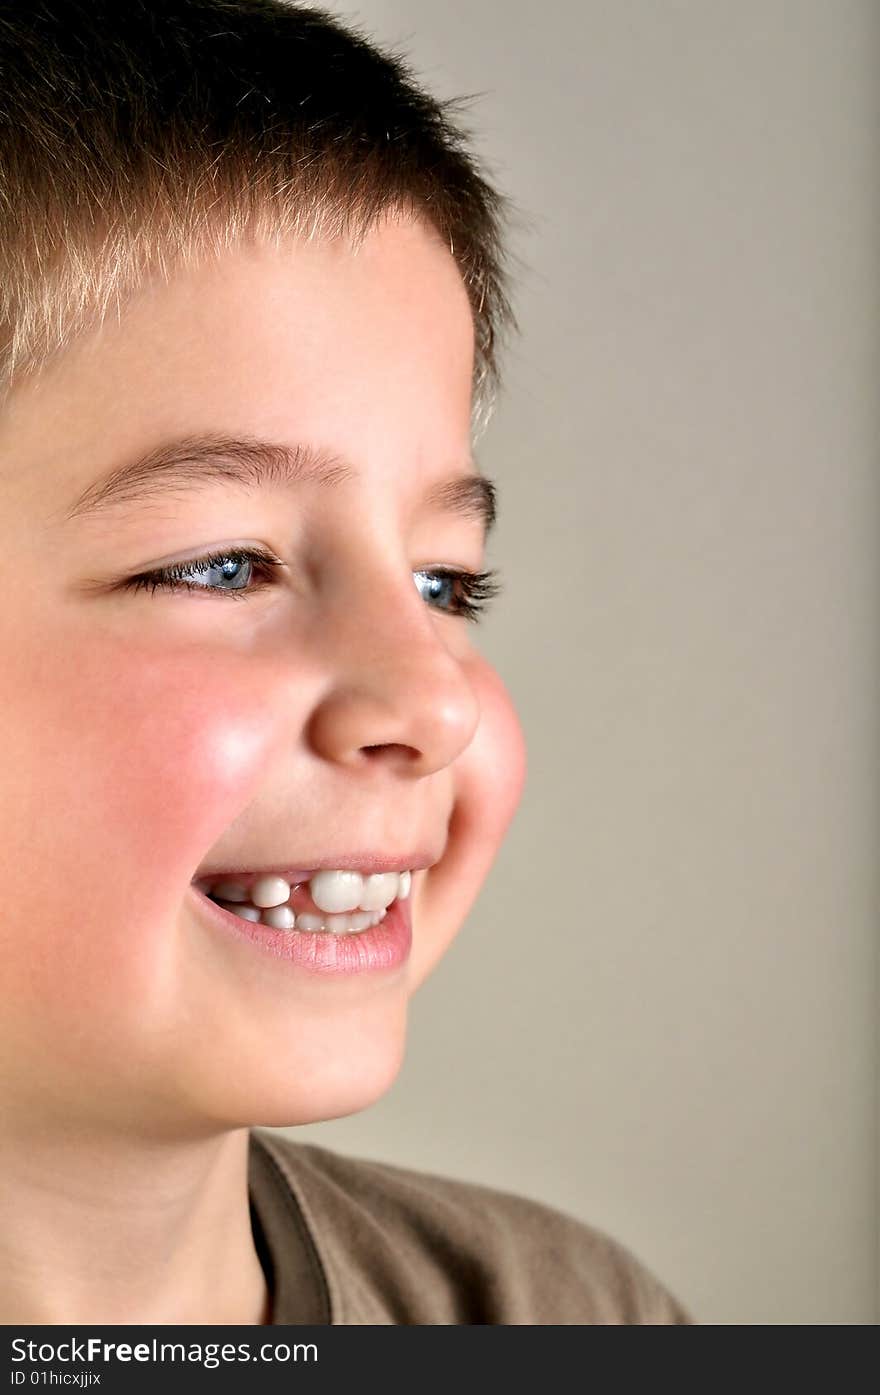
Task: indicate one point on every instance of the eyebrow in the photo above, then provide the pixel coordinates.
(200, 462)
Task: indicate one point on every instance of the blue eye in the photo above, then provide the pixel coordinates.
(475, 590)
(237, 566)
(459, 593)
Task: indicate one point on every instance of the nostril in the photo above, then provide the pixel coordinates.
(407, 753)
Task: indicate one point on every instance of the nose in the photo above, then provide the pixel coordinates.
(399, 692)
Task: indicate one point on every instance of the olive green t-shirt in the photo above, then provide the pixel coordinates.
(346, 1241)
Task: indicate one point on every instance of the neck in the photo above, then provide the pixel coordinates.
(124, 1231)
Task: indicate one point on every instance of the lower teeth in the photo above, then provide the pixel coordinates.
(283, 918)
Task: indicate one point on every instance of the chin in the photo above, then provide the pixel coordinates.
(311, 1081)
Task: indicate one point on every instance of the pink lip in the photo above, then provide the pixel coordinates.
(384, 946)
(361, 862)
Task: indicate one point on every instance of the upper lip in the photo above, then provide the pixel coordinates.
(341, 862)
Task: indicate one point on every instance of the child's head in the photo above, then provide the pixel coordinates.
(249, 266)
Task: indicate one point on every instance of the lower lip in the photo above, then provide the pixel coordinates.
(381, 947)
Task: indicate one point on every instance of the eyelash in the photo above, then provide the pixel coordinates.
(477, 588)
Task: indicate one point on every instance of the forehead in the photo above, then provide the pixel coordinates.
(366, 350)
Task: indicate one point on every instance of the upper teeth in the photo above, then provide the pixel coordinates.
(330, 891)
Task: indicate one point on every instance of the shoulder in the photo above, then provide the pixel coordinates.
(426, 1248)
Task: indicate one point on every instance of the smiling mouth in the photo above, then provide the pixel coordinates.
(341, 901)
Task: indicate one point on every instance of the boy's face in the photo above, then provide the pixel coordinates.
(148, 735)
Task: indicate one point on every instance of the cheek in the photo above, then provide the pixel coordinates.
(180, 749)
(156, 746)
(127, 766)
(490, 775)
(489, 778)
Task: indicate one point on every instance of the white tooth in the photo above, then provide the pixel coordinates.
(307, 921)
(342, 924)
(270, 891)
(279, 917)
(405, 885)
(336, 891)
(229, 891)
(243, 912)
(380, 889)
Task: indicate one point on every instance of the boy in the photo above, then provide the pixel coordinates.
(252, 290)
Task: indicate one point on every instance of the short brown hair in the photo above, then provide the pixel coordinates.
(138, 133)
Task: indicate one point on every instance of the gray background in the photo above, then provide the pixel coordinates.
(686, 461)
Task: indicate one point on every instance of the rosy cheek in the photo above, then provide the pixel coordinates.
(490, 775)
(128, 765)
(181, 744)
(488, 781)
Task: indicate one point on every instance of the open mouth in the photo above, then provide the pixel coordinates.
(341, 901)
